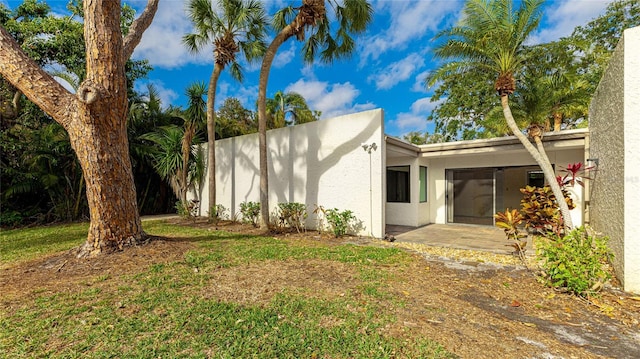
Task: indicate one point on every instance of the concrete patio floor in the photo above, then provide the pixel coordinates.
(460, 236)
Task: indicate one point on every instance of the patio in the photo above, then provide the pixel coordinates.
(460, 236)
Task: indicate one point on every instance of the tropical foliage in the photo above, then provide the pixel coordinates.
(233, 26)
(561, 76)
(286, 109)
(41, 177)
(328, 40)
(491, 38)
(576, 262)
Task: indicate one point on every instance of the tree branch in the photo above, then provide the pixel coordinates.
(138, 28)
(35, 83)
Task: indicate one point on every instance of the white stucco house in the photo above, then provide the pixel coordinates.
(349, 163)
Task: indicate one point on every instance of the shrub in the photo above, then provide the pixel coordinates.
(189, 209)
(321, 214)
(510, 221)
(219, 213)
(292, 214)
(540, 210)
(10, 218)
(575, 262)
(250, 212)
(339, 221)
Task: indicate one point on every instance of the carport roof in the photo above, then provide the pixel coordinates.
(566, 139)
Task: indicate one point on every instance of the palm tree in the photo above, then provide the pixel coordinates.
(292, 105)
(169, 145)
(146, 113)
(194, 118)
(308, 23)
(491, 38)
(167, 155)
(236, 26)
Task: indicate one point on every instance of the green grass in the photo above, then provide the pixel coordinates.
(160, 311)
(24, 244)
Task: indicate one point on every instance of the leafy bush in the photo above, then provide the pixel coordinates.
(189, 209)
(540, 210)
(575, 262)
(250, 212)
(220, 213)
(292, 214)
(511, 221)
(339, 221)
(10, 218)
(321, 214)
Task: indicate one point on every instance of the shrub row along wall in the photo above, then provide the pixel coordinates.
(319, 163)
(614, 123)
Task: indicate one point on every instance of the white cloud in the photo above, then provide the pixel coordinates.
(162, 44)
(416, 119)
(167, 96)
(563, 16)
(284, 57)
(248, 95)
(397, 72)
(418, 85)
(332, 99)
(409, 21)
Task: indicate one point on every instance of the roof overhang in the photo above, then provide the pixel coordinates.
(562, 140)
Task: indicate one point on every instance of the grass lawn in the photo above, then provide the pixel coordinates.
(223, 295)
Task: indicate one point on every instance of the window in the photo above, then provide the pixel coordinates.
(398, 184)
(535, 179)
(423, 184)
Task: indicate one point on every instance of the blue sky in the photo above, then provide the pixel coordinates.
(387, 70)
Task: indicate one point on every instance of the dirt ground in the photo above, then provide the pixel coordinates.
(478, 309)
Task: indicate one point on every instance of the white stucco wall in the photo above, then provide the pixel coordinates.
(320, 163)
(414, 213)
(614, 121)
(438, 165)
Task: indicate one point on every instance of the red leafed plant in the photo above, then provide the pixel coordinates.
(574, 173)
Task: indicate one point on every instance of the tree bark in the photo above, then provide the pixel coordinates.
(187, 138)
(562, 204)
(557, 121)
(211, 134)
(541, 159)
(267, 60)
(95, 118)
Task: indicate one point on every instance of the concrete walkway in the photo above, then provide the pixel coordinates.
(461, 236)
(156, 217)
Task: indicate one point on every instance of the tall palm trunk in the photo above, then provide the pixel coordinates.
(541, 159)
(211, 134)
(187, 139)
(267, 60)
(557, 121)
(562, 204)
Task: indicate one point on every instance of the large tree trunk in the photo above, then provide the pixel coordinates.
(95, 118)
(541, 159)
(211, 134)
(267, 60)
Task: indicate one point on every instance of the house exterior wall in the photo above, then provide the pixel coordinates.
(501, 158)
(615, 128)
(414, 213)
(319, 163)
